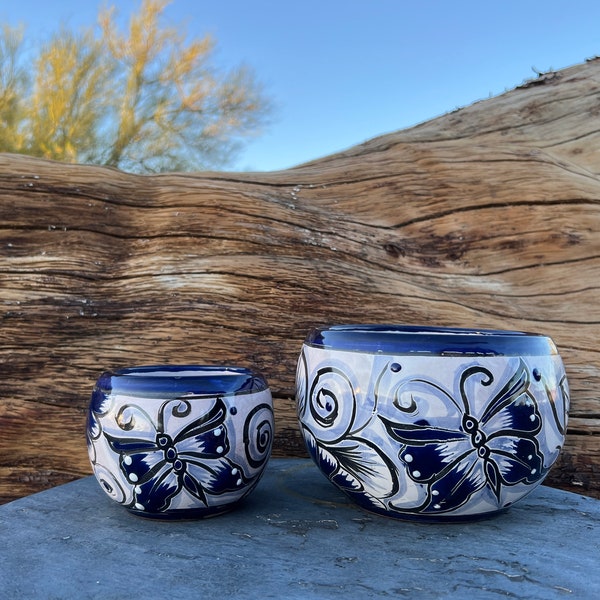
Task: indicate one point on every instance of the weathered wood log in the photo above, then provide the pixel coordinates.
(488, 217)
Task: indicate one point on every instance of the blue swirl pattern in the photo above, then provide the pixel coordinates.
(405, 441)
(183, 458)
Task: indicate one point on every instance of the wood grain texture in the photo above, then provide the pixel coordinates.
(485, 217)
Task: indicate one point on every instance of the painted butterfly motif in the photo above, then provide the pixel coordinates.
(489, 444)
(162, 467)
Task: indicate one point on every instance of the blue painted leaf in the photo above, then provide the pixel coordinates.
(361, 466)
(421, 434)
(131, 444)
(493, 477)
(193, 486)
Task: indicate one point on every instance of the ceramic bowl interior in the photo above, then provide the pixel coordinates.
(432, 423)
(181, 441)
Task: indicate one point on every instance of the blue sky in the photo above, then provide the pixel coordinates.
(343, 71)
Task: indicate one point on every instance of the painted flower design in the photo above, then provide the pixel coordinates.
(162, 467)
(483, 444)
(328, 417)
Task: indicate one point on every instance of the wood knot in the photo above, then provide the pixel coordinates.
(394, 250)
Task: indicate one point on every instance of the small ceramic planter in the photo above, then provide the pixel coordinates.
(432, 423)
(179, 441)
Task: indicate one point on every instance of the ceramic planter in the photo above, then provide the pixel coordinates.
(432, 423)
(179, 441)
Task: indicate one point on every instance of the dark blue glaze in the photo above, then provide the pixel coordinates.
(179, 380)
(169, 441)
(410, 339)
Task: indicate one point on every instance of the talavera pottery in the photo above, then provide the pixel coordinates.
(432, 423)
(179, 441)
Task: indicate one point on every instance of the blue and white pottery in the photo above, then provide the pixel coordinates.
(432, 423)
(179, 441)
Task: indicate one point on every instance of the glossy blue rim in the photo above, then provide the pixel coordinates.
(182, 380)
(438, 341)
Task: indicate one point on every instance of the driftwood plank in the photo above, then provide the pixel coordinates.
(487, 217)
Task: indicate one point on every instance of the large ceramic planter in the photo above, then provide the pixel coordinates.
(179, 441)
(432, 423)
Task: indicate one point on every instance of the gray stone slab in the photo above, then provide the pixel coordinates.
(296, 536)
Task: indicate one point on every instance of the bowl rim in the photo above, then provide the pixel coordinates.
(401, 339)
(184, 381)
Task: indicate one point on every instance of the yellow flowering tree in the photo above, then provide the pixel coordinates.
(142, 100)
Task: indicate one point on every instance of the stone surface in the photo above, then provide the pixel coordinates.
(296, 536)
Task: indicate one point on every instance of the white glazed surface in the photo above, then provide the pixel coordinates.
(391, 431)
(215, 450)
